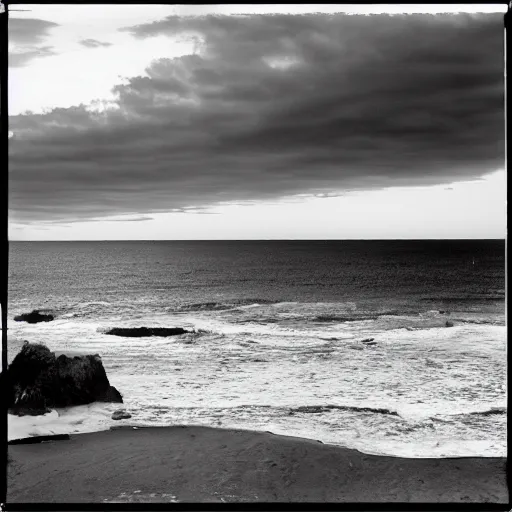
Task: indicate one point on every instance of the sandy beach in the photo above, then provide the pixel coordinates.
(201, 464)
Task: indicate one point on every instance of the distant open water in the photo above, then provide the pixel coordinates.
(278, 337)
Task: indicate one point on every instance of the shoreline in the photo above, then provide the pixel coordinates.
(115, 425)
(31, 427)
(208, 464)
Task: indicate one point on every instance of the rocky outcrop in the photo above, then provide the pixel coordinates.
(36, 380)
(121, 414)
(448, 324)
(140, 332)
(33, 317)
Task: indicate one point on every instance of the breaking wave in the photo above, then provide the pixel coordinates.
(354, 318)
(316, 409)
(222, 306)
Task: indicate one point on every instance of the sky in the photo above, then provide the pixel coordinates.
(256, 122)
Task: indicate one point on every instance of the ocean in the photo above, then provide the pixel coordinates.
(277, 342)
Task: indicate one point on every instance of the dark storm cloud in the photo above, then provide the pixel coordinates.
(93, 43)
(25, 35)
(274, 105)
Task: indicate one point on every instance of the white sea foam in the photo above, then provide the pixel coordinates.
(236, 372)
(80, 419)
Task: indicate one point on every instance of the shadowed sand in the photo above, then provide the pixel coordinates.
(165, 464)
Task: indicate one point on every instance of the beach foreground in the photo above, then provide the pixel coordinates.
(202, 464)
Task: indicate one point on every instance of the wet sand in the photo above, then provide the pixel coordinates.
(202, 464)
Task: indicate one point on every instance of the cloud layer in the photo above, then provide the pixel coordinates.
(273, 105)
(26, 36)
(28, 30)
(93, 43)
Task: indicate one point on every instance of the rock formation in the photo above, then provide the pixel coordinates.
(121, 414)
(139, 332)
(37, 380)
(33, 317)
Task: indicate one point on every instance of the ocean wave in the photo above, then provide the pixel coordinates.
(449, 418)
(259, 320)
(224, 305)
(71, 315)
(278, 410)
(354, 318)
(446, 413)
(46, 310)
(488, 412)
(381, 432)
(476, 298)
(317, 409)
(80, 309)
(139, 332)
(456, 324)
(268, 332)
(479, 321)
(93, 303)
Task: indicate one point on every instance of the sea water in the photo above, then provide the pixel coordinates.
(277, 339)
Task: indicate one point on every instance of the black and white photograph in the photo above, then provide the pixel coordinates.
(256, 254)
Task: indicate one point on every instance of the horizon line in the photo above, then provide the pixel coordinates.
(274, 240)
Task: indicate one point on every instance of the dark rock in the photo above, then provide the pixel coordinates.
(121, 414)
(37, 380)
(139, 332)
(33, 317)
(22, 410)
(110, 395)
(367, 340)
(448, 324)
